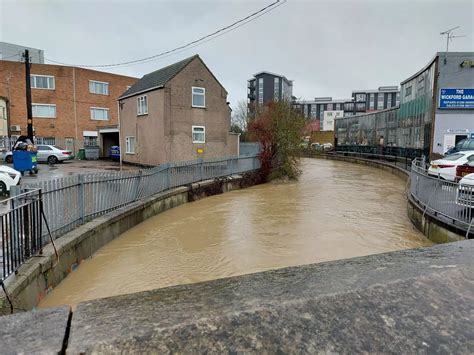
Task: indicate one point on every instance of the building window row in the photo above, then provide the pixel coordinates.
(42, 82)
(199, 134)
(142, 105)
(198, 97)
(276, 89)
(260, 90)
(98, 87)
(44, 110)
(130, 145)
(99, 114)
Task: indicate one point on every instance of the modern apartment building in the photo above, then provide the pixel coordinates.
(72, 107)
(362, 101)
(385, 97)
(265, 87)
(14, 53)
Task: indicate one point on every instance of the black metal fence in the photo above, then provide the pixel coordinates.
(409, 153)
(20, 230)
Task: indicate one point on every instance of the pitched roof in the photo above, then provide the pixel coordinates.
(158, 78)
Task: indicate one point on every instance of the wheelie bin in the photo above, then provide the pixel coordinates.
(24, 160)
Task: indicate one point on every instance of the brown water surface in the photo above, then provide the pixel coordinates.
(336, 210)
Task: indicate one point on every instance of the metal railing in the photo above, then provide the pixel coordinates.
(403, 162)
(71, 201)
(447, 201)
(20, 230)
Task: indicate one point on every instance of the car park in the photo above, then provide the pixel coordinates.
(8, 177)
(50, 154)
(445, 168)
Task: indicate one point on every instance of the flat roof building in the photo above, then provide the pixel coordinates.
(265, 87)
(14, 53)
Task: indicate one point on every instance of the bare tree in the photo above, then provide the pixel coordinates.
(240, 119)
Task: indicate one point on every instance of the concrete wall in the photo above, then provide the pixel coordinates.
(41, 274)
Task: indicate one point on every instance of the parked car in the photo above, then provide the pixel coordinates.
(445, 168)
(465, 191)
(50, 154)
(465, 144)
(8, 177)
(465, 169)
(327, 146)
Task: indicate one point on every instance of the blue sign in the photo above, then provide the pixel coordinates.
(456, 98)
(472, 135)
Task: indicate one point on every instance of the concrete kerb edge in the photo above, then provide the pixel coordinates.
(36, 277)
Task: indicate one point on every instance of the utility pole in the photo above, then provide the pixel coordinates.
(29, 111)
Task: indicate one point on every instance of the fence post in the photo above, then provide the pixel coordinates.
(137, 188)
(80, 198)
(168, 178)
(202, 169)
(231, 166)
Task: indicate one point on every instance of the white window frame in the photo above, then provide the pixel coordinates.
(100, 108)
(198, 93)
(128, 145)
(140, 100)
(33, 81)
(98, 82)
(203, 132)
(36, 104)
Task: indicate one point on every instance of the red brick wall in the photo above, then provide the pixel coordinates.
(66, 123)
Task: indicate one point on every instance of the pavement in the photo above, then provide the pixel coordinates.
(72, 167)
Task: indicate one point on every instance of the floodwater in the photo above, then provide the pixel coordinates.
(335, 210)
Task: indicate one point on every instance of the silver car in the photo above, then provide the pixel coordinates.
(50, 154)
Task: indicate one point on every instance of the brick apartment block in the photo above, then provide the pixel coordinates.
(78, 117)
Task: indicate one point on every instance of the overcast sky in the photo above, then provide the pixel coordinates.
(328, 48)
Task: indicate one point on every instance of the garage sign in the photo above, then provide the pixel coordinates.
(456, 99)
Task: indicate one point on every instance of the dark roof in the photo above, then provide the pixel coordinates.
(157, 78)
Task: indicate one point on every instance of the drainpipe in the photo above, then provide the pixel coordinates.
(74, 104)
(120, 134)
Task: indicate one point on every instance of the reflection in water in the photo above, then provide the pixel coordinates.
(336, 210)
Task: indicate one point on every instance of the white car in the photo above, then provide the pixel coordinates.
(8, 177)
(50, 154)
(445, 168)
(465, 192)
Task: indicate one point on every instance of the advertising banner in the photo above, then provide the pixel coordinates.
(456, 99)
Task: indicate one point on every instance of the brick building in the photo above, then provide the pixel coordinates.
(176, 113)
(72, 107)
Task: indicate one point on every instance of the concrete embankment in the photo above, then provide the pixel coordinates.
(413, 301)
(433, 228)
(40, 274)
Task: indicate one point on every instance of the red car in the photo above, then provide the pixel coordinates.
(463, 170)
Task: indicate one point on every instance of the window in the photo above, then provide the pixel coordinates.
(276, 89)
(142, 105)
(199, 134)
(44, 110)
(380, 102)
(46, 141)
(43, 147)
(260, 90)
(371, 101)
(3, 112)
(360, 97)
(408, 91)
(100, 114)
(130, 145)
(42, 82)
(90, 141)
(98, 87)
(199, 97)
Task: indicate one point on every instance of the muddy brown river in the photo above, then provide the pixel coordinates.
(336, 210)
